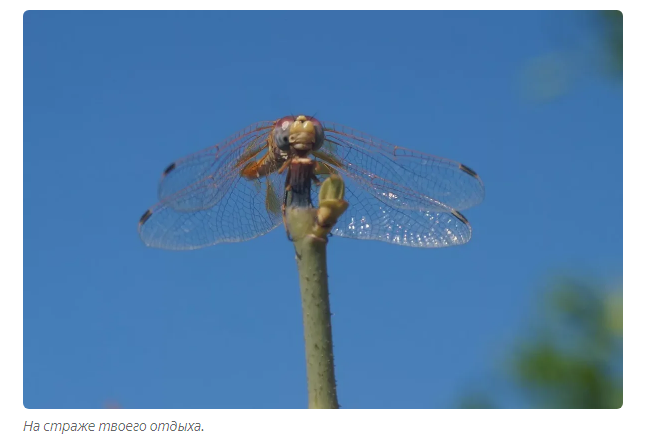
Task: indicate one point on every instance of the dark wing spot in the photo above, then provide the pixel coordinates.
(459, 216)
(145, 217)
(169, 169)
(468, 170)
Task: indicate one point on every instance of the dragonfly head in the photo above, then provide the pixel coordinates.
(300, 133)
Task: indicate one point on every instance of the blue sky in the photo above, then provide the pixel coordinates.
(111, 98)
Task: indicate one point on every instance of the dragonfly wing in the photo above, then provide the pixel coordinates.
(371, 217)
(206, 168)
(246, 209)
(383, 165)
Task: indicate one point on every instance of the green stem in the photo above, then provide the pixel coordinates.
(311, 257)
(309, 228)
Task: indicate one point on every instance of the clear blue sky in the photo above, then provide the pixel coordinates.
(110, 99)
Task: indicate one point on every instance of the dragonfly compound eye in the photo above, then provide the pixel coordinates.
(281, 132)
(320, 134)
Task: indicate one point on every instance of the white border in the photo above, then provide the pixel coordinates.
(358, 424)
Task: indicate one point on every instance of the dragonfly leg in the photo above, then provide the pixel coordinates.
(287, 188)
(284, 222)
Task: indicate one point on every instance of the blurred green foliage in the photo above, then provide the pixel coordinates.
(592, 44)
(574, 357)
(612, 37)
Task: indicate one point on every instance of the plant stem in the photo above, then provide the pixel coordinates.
(312, 269)
(309, 228)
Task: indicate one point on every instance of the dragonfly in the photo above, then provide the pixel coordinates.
(237, 190)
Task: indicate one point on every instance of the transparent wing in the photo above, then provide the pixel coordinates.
(381, 167)
(373, 214)
(211, 164)
(205, 200)
(246, 209)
